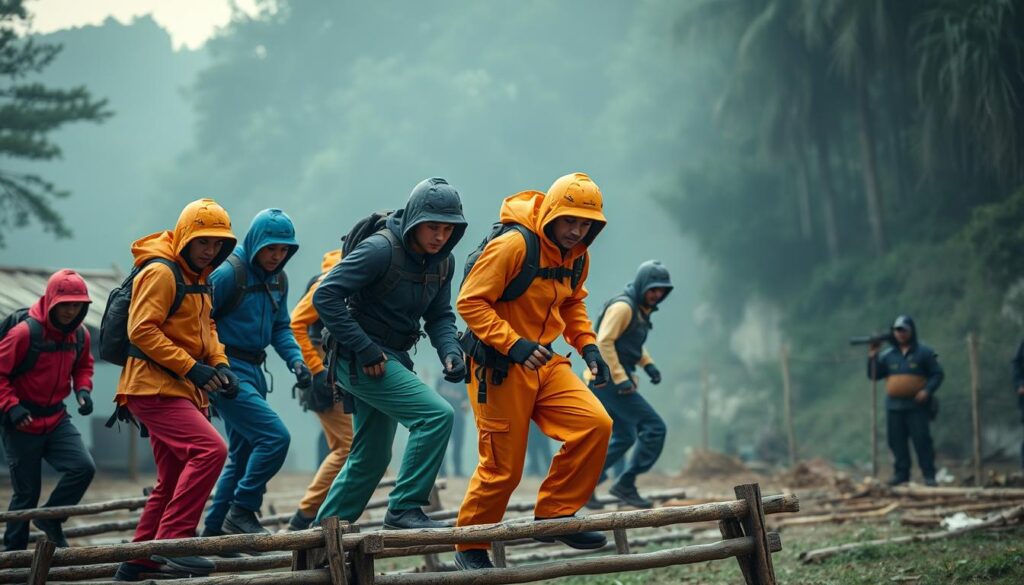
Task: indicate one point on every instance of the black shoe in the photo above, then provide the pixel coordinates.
(930, 482)
(242, 521)
(593, 503)
(129, 571)
(53, 530)
(473, 559)
(629, 495)
(207, 532)
(191, 566)
(299, 521)
(895, 481)
(587, 540)
(411, 518)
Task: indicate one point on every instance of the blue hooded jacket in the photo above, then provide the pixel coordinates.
(920, 361)
(254, 324)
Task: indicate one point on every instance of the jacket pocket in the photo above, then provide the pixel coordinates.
(493, 442)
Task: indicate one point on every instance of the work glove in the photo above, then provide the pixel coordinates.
(84, 401)
(454, 368)
(16, 414)
(201, 375)
(529, 354)
(654, 373)
(322, 393)
(593, 359)
(229, 390)
(303, 377)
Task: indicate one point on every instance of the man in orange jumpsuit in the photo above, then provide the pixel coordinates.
(337, 425)
(517, 377)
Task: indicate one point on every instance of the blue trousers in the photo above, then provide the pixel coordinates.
(257, 446)
(634, 421)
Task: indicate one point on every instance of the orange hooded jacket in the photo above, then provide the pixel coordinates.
(304, 315)
(189, 335)
(548, 308)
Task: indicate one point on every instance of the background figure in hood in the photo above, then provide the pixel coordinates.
(166, 386)
(36, 425)
(373, 331)
(250, 307)
(912, 376)
(622, 330)
(1018, 388)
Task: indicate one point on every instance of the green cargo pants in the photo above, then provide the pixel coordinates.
(380, 405)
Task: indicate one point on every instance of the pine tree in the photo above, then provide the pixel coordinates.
(29, 112)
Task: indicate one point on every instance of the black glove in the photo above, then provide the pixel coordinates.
(522, 350)
(85, 397)
(322, 392)
(303, 377)
(592, 356)
(654, 373)
(229, 390)
(457, 372)
(16, 414)
(624, 387)
(201, 374)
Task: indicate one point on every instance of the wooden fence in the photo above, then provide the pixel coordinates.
(339, 554)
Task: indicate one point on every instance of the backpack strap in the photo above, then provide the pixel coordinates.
(531, 264)
(35, 344)
(181, 288)
(242, 287)
(397, 272)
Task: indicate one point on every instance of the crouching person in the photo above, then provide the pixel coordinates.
(525, 289)
(372, 303)
(174, 363)
(43, 356)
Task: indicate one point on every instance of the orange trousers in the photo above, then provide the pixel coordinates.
(565, 410)
(338, 431)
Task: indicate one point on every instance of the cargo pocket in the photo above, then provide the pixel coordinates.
(493, 442)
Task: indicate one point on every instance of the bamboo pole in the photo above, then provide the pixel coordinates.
(972, 354)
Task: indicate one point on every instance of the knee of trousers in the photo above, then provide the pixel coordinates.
(214, 452)
(602, 426)
(654, 429)
(84, 471)
(441, 420)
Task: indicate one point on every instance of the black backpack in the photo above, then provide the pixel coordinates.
(115, 347)
(242, 288)
(37, 343)
(531, 269)
(376, 223)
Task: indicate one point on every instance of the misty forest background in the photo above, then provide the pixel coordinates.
(806, 168)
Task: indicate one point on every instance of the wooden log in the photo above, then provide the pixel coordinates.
(837, 517)
(311, 577)
(563, 553)
(972, 355)
(61, 512)
(977, 493)
(753, 526)
(92, 529)
(1001, 519)
(498, 554)
(363, 560)
(41, 562)
(602, 522)
(621, 541)
(106, 570)
(732, 528)
(589, 566)
(332, 528)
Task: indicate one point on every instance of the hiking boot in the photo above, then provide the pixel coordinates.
(628, 495)
(593, 503)
(242, 521)
(930, 482)
(208, 532)
(191, 566)
(587, 540)
(895, 481)
(129, 571)
(411, 518)
(53, 530)
(299, 521)
(473, 559)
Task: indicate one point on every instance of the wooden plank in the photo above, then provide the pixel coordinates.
(62, 512)
(621, 541)
(498, 550)
(732, 528)
(41, 562)
(299, 560)
(362, 566)
(332, 544)
(753, 526)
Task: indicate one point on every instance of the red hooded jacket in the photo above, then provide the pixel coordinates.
(55, 374)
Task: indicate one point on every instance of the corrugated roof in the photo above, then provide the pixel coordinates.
(22, 286)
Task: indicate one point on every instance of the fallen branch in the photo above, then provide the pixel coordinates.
(977, 493)
(1001, 519)
(837, 517)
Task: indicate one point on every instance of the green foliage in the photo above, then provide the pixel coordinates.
(29, 112)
